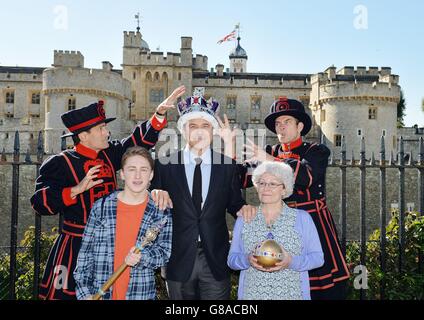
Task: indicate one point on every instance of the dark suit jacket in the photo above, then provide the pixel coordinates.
(224, 195)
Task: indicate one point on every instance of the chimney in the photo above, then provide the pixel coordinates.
(107, 66)
(219, 70)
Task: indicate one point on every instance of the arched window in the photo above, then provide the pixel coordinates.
(157, 77)
(164, 76)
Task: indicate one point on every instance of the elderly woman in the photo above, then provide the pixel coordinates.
(292, 229)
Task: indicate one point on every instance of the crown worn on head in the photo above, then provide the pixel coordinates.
(197, 107)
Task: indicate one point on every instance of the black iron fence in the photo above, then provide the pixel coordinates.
(343, 164)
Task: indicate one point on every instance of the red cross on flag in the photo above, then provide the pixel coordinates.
(229, 37)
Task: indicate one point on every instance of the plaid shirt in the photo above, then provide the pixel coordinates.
(96, 257)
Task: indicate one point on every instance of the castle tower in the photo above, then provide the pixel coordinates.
(68, 85)
(186, 50)
(133, 46)
(238, 59)
(355, 104)
(153, 75)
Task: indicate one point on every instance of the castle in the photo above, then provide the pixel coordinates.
(350, 102)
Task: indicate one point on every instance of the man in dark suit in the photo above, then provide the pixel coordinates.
(203, 186)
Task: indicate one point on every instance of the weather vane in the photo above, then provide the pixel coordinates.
(238, 28)
(137, 16)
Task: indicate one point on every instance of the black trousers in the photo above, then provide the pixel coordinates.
(201, 285)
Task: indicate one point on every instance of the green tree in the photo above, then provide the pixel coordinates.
(25, 264)
(407, 285)
(401, 110)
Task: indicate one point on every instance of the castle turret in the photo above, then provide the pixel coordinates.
(134, 40)
(356, 103)
(68, 59)
(68, 85)
(186, 50)
(238, 59)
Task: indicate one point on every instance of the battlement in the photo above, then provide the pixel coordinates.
(361, 70)
(186, 43)
(156, 58)
(358, 75)
(132, 39)
(82, 79)
(136, 56)
(66, 58)
(250, 80)
(200, 62)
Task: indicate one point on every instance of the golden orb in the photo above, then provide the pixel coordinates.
(268, 253)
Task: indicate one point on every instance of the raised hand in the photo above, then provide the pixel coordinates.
(256, 154)
(225, 132)
(227, 135)
(169, 102)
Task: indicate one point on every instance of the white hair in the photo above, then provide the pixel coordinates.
(282, 171)
(184, 119)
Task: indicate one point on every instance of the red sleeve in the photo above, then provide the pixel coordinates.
(66, 197)
(157, 124)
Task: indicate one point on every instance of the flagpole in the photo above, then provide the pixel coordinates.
(238, 35)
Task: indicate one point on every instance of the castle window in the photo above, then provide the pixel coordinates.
(134, 76)
(383, 132)
(10, 97)
(256, 103)
(359, 132)
(322, 115)
(9, 115)
(231, 102)
(372, 113)
(156, 95)
(338, 140)
(255, 109)
(72, 104)
(179, 76)
(35, 98)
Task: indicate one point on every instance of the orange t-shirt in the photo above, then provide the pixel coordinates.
(128, 222)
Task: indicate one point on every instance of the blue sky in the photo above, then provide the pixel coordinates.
(279, 36)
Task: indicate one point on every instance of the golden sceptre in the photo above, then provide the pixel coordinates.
(148, 239)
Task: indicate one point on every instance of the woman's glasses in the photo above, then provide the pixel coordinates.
(270, 185)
